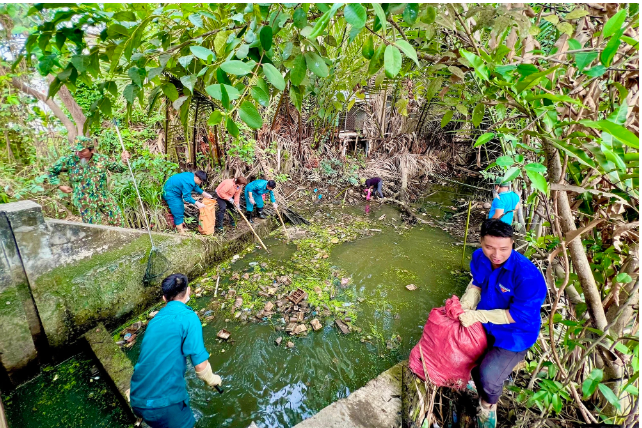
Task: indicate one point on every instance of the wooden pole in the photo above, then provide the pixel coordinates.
(463, 253)
(253, 231)
(283, 224)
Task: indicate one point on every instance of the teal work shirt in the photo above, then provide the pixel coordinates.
(258, 189)
(181, 186)
(174, 334)
(507, 201)
(518, 286)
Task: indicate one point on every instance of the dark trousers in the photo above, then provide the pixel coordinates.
(222, 206)
(177, 415)
(496, 366)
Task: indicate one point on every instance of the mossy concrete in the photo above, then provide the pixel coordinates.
(377, 404)
(77, 276)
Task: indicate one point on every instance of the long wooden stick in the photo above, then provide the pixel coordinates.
(284, 229)
(463, 252)
(252, 229)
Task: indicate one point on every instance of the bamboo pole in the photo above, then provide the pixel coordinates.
(252, 229)
(463, 253)
(283, 224)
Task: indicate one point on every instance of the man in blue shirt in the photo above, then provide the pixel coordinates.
(158, 391)
(179, 188)
(254, 196)
(505, 295)
(505, 204)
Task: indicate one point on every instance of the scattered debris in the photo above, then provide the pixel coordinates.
(411, 287)
(278, 341)
(152, 314)
(300, 328)
(316, 324)
(290, 344)
(345, 282)
(223, 334)
(344, 328)
(268, 307)
(297, 295)
(382, 217)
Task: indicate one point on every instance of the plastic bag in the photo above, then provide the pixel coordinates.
(450, 350)
(207, 217)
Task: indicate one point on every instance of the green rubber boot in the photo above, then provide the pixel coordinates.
(486, 417)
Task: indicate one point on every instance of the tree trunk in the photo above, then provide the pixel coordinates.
(72, 107)
(72, 131)
(10, 157)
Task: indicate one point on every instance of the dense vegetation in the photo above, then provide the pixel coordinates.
(545, 95)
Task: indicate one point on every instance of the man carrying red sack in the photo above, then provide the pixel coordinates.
(505, 295)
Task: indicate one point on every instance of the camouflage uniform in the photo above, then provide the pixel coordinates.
(89, 183)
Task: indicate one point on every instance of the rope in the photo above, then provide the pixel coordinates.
(142, 207)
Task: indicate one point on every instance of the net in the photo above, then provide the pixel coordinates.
(157, 267)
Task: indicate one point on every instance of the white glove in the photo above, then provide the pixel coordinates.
(471, 297)
(495, 316)
(275, 205)
(208, 377)
(231, 201)
(207, 195)
(252, 200)
(200, 205)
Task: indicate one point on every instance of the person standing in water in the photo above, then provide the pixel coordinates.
(158, 391)
(506, 295)
(87, 172)
(505, 204)
(179, 188)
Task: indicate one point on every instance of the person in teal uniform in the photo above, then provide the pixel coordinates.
(179, 188)
(158, 392)
(505, 204)
(254, 196)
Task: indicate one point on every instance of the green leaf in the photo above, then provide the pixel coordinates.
(189, 80)
(554, 97)
(231, 127)
(105, 107)
(557, 403)
(215, 118)
(368, 48)
(381, 15)
(266, 37)
(618, 131)
(81, 62)
(185, 60)
(225, 98)
(135, 75)
(623, 278)
(583, 59)
(535, 167)
(574, 44)
(457, 72)
(484, 138)
(250, 115)
(170, 91)
(478, 114)
(478, 64)
(539, 182)
(446, 118)
(408, 50)
(596, 71)
(116, 31)
(565, 28)
(532, 80)
(392, 61)
(607, 55)
(578, 12)
(300, 18)
(511, 174)
(274, 76)
(377, 60)
(590, 384)
(505, 161)
(260, 96)
(238, 68)
(410, 13)
(215, 92)
(316, 64)
(130, 93)
(461, 109)
(614, 24)
(297, 74)
(125, 15)
(610, 396)
(197, 20)
(202, 53)
(355, 15)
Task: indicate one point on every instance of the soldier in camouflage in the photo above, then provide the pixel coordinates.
(88, 178)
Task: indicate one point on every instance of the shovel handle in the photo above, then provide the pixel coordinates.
(219, 389)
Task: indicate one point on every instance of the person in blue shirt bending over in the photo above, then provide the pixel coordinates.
(254, 196)
(179, 188)
(158, 392)
(505, 204)
(505, 295)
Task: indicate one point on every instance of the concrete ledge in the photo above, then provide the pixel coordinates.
(377, 404)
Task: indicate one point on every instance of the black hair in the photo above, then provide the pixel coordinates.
(496, 227)
(202, 175)
(271, 184)
(174, 285)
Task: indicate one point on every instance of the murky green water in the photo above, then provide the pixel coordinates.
(73, 394)
(278, 387)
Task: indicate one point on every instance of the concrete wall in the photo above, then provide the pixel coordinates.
(80, 275)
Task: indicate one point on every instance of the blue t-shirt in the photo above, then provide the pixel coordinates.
(258, 189)
(181, 186)
(518, 286)
(507, 201)
(159, 375)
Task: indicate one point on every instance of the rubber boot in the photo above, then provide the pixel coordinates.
(232, 220)
(249, 216)
(261, 214)
(219, 230)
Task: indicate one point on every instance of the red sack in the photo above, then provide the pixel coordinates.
(450, 350)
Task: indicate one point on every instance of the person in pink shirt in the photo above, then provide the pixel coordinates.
(228, 194)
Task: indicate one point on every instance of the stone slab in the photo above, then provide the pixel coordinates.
(377, 404)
